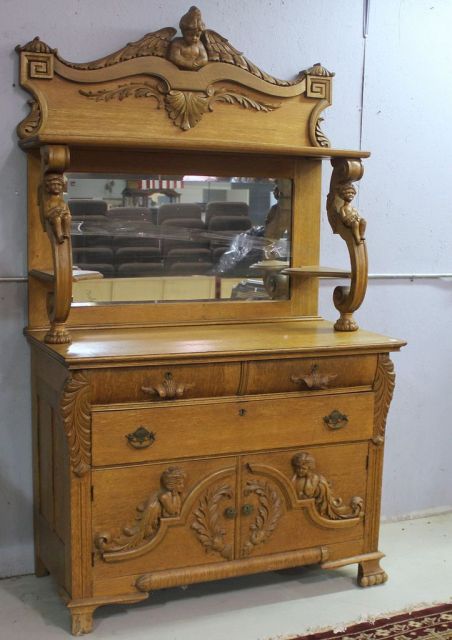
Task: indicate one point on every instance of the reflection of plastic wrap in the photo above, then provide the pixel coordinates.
(248, 248)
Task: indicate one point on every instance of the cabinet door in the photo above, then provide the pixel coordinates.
(162, 516)
(301, 498)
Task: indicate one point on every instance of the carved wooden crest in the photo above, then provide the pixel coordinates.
(187, 76)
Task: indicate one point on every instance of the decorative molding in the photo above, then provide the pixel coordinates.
(309, 484)
(40, 65)
(207, 522)
(184, 108)
(315, 379)
(76, 414)
(346, 221)
(36, 46)
(165, 503)
(320, 137)
(317, 70)
(269, 512)
(169, 388)
(383, 388)
(196, 48)
(30, 124)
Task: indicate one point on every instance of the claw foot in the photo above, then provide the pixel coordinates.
(370, 574)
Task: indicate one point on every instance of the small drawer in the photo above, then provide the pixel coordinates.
(304, 374)
(163, 383)
(181, 430)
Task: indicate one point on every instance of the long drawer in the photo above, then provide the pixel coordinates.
(127, 434)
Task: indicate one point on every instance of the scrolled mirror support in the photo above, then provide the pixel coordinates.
(56, 222)
(346, 221)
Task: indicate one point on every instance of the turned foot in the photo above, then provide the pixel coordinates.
(370, 573)
(82, 620)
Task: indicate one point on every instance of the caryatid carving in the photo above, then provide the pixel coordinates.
(310, 484)
(56, 221)
(166, 503)
(55, 211)
(346, 221)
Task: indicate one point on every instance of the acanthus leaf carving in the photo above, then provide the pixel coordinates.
(317, 70)
(207, 522)
(31, 123)
(320, 137)
(168, 389)
(384, 388)
(76, 414)
(184, 108)
(164, 503)
(310, 484)
(269, 512)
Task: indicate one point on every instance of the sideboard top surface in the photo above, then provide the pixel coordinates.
(106, 346)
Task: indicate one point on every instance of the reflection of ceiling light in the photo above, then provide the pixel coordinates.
(200, 178)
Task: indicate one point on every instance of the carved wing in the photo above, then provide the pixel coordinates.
(152, 44)
(219, 50)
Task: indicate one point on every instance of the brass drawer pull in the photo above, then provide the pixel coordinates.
(168, 389)
(315, 379)
(141, 438)
(336, 420)
(247, 509)
(230, 513)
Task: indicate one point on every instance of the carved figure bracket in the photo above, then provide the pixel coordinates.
(346, 221)
(56, 221)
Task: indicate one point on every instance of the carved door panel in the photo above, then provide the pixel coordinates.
(301, 498)
(162, 516)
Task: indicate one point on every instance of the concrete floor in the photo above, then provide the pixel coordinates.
(274, 605)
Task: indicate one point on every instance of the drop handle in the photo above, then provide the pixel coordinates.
(336, 420)
(141, 438)
(230, 513)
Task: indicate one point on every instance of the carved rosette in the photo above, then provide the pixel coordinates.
(165, 503)
(184, 108)
(208, 521)
(269, 513)
(76, 414)
(311, 485)
(346, 222)
(384, 389)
